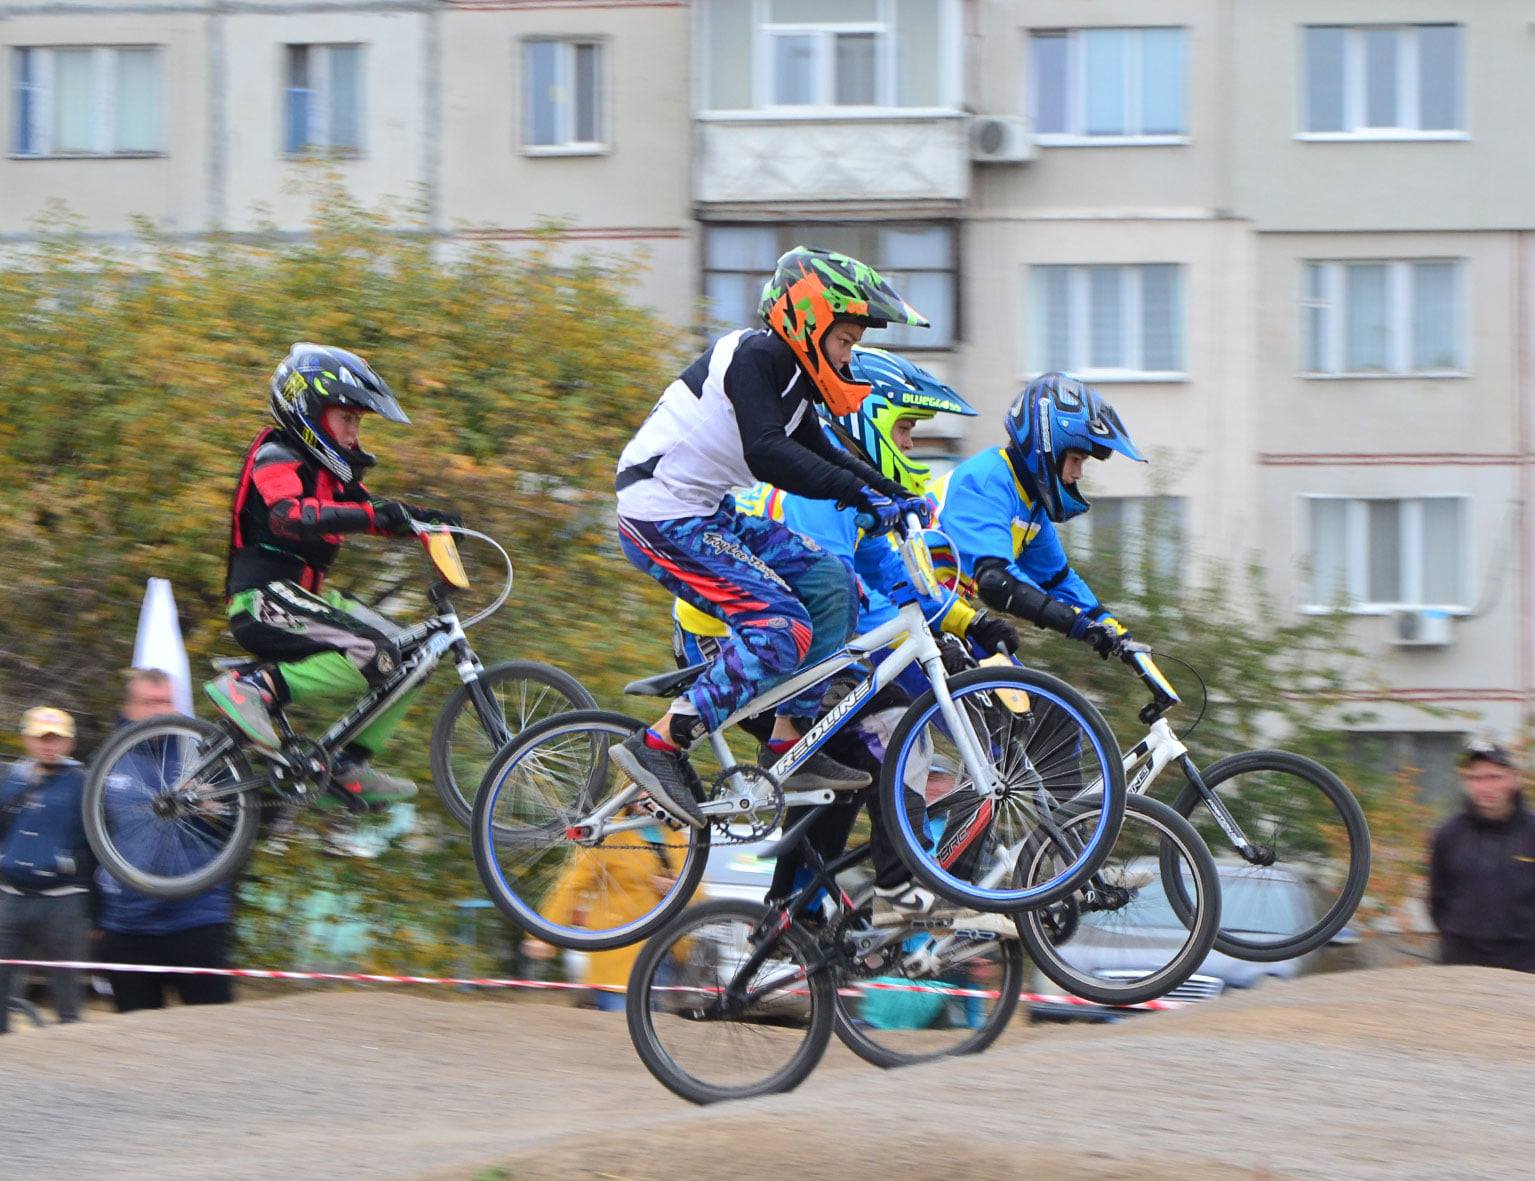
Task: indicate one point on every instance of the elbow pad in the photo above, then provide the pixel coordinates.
(1000, 591)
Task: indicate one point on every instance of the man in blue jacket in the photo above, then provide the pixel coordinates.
(136, 929)
(45, 861)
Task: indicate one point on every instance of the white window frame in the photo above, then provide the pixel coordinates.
(1412, 564)
(1399, 293)
(764, 76)
(1408, 92)
(1132, 556)
(103, 115)
(950, 67)
(320, 104)
(1077, 91)
(566, 114)
(1080, 324)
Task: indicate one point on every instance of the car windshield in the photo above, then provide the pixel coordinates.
(1255, 905)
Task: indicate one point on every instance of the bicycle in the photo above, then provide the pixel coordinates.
(552, 797)
(1255, 800)
(717, 998)
(171, 803)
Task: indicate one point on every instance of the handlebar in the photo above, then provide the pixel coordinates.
(1163, 696)
(425, 532)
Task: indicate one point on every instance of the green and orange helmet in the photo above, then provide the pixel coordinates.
(812, 289)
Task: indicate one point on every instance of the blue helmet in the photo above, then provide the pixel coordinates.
(899, 390)
(1055, 414)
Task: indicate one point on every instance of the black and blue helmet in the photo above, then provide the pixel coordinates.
(1055, 414)
(314, 376)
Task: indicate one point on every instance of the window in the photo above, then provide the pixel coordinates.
(1107, 322)
(562, 89)
(1109, 83)
(917, 258)
(1372, 554)
(87, 101)
(812, 55)
(1433, 754)
(1135, 538)
(1388, 81)
(323, 100)
(1383, 317)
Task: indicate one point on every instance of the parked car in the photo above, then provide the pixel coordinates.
(1253, 900)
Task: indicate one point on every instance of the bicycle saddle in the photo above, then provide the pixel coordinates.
(666, 684)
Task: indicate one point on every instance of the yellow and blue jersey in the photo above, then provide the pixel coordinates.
(985, 511)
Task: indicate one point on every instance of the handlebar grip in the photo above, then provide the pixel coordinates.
(865, 521)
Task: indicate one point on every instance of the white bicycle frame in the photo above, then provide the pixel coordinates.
(913, 644)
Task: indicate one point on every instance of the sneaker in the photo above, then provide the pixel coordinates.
(372, 786)
(1003, 926)
(244, 702)
(819, 772)
(909, 903)
(665, 776)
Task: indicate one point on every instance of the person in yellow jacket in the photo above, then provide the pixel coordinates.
(605, 888)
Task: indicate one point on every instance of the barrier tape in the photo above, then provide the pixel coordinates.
(548, 985)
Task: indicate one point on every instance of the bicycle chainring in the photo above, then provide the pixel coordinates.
(759, 804)
(863, 951)
(304, 779)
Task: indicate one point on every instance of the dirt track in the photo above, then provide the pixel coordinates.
(1418, 1072)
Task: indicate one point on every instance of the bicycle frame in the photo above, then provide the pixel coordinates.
(1154, 753)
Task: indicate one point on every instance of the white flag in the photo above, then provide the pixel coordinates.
(159, 644)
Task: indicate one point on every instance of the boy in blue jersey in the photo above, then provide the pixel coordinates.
(1000, 509)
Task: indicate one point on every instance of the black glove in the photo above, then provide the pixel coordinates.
(877, 513)
(991, 634)
(392, 517)
(435, 516)
(1102, 636)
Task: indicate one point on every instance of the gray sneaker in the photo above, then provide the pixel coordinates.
(371, 785)
(665, 775)
(245, 703)
(820, 772)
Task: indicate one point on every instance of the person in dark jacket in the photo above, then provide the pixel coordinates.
(1481, 882)
(45, 861)
(137, 929)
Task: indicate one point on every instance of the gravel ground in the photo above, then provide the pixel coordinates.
(1399, 1073)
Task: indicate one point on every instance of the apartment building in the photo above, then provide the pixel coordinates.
(1289, 241)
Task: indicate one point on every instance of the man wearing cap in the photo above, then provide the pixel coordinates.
(45, 861)
(1481, 881)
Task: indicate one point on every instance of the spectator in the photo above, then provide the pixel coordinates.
(136, 929)
(45, 862)
(1481, 881)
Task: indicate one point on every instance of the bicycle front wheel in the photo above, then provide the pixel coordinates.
(171, 806)
(1127, 944)
(1044, 744)
(541, 851)
(1311, 858)
(485, 714)
(709, 1026)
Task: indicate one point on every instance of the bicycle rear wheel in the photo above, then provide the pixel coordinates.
(1313, 849)
(171, 806)
(484, 715)
(941, 994)
(1128, 944)
(540, 868)
(1045, 743)
(709, 1029)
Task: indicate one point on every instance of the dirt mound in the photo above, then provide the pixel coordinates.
(1393, 1073)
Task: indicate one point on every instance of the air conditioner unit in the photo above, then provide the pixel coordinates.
(1420, 628)
(1002, 139)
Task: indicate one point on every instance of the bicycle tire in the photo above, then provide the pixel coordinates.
(641, 1013)
(488, 831)
(221, 867)
(1202, 920)
(1357, 828)
(444, 777)
(1106, 766)
(851, 1034)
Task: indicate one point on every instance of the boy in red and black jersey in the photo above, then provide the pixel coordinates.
(299, 494)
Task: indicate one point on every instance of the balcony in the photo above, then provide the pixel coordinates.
(884, 159)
